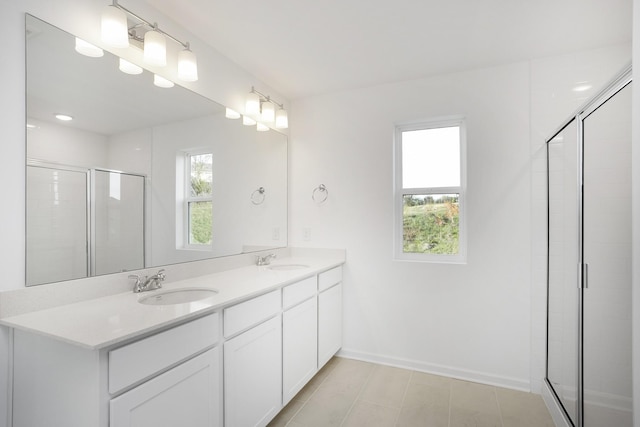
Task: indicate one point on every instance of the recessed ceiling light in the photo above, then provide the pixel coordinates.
(64, 117)
(582, 86)
(30, 126)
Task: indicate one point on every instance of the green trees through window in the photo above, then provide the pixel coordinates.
(199, 202)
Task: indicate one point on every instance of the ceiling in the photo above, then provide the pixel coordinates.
(303, 48)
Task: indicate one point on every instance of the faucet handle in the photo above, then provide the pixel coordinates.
(160, 274)
(137, 286)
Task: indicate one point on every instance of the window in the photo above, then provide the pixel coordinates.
(429, 191)
(199, 199)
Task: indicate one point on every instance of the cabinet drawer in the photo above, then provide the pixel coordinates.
(329, 278)
(298, 292)
(141, 359)
(249, 313)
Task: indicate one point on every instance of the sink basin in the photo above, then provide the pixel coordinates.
(279, 267)
(177, 296)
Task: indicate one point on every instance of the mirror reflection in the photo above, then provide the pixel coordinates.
(140, 176)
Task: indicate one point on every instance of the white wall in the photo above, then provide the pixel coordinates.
(467, 320)
(484, 320)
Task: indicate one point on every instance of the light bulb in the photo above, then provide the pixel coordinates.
(87, 49)
(231, 114)
(114, 30)
(162, 82)
(248, 121)
(252, 105)
(282, 120)
(129, 68)
(261, 127)
(187, 66)
(268, 113)
(155, 48)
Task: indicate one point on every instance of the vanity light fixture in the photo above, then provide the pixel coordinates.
(263, 106)
(117, 31)
(248, 121)
(252, 106)
(187, 65)
(129, 68)
(282, 120)
(114, 30)
(155, 48)
(162, 82)
(87, 49)
(267, 112)
(231, 114)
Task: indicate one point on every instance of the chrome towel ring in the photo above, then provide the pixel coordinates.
(320, 194)
(257, 197)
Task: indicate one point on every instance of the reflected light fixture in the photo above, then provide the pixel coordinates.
(129, 68)
(263, 108)
(162, 82)
(117, 31)
(231, 114)
(248, 121)
(261, 127)
(87, 49)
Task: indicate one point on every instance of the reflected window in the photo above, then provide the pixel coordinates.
(429, 191)
(199, 198)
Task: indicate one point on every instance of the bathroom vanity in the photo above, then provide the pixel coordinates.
(233, 357)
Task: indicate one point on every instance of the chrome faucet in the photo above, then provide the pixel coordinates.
(148, 283)
(265, 260)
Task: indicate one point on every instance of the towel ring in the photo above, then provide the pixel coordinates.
(257, 197)
(320, 194)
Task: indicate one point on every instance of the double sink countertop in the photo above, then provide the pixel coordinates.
(105, 321)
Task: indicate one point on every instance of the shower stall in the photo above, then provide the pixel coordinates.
(82, 222)
(589, 261)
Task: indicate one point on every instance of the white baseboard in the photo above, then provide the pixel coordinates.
(448, 371)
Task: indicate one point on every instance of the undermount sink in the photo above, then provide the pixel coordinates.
(287, 266)
(177, 296)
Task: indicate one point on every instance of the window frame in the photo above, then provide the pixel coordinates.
(188, 199)
(400, 192)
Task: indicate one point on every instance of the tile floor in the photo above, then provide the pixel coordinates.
(352, 393)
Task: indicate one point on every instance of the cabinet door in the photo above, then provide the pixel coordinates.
(187, 395)
(329, 323)
(253, 375)
(299, 347)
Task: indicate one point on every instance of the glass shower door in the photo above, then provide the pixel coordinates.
(118, 225)
(607, 253)
(563, 295)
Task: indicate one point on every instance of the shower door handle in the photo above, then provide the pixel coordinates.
(585, 276)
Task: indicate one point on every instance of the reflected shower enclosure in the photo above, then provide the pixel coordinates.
(589, 267)
(82, 222)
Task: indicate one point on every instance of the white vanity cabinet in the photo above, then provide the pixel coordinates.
(299, 336)
(149, 382)
(253, 361)
(187, 395)
(329, 314)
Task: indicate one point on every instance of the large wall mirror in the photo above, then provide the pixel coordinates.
(142, 176)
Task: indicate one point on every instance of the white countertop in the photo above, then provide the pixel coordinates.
(102, 322)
